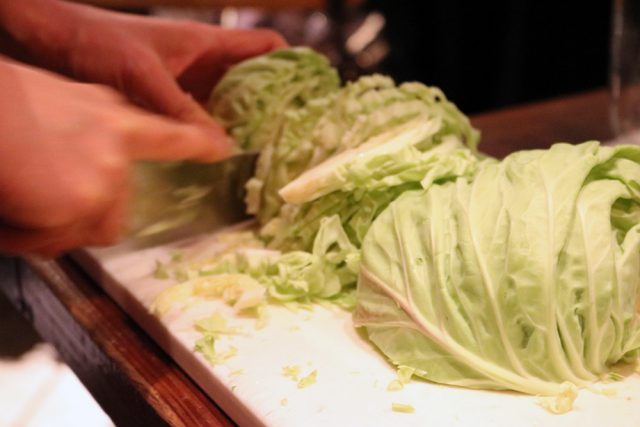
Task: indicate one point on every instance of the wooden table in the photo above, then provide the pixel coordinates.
(132, 379)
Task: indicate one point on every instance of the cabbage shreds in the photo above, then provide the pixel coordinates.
(253, 97)
(207, 346)
(524, 278)
(238, 290)
(562, 402)
(404, 375)
(248, 277)
(402, 407)
(325, 272)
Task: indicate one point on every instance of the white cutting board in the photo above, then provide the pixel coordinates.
(352, 378)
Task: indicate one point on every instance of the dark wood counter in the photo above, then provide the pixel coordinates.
(575, 119)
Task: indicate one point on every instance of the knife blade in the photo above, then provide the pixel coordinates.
(179, 199)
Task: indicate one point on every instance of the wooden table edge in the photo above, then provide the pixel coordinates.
(132, 378)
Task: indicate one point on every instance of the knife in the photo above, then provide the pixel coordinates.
(172, 200)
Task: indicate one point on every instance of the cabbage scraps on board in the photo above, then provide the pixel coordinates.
(520, 274)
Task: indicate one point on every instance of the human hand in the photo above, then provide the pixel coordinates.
(66, 149)
(166, 66)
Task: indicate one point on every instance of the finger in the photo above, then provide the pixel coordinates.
(103, 230)
(151, 137)
(154, 86)
(237, 44)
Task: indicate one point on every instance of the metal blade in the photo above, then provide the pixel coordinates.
(175, 200)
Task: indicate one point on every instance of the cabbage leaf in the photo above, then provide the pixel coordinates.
(525, 277)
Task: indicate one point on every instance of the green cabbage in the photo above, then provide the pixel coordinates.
(522, 278)
(318, 248)
(359, 183)
(301, 276)
(344, 120)
(285, 159)
(411, 134)
(339, 157)
(254, 96)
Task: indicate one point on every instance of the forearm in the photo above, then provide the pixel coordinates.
(40, 31)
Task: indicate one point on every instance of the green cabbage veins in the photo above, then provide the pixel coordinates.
(523, 278)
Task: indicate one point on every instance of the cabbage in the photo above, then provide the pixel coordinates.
(525, 277)
(283, 160)
(406, 154)
(261, 99)
(522, 274)
(357, 149)
(341, 121)
(359, 183)
(380, 140)
(253, 97)
(315, 253)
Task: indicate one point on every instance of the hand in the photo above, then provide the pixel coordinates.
(161, 64)
(66, 149)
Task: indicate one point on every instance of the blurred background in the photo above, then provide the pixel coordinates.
(484, 55)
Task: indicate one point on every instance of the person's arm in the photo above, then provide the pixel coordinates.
(65, 153)
(161, 64)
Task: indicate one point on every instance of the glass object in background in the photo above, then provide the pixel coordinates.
(349, 35)
(625, 71)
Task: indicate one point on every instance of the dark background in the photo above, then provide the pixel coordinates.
(490, 54)
(483, 54)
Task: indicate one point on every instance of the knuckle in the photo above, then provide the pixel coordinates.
(83, 199)
(89, 196)
(135, 69)
(112, 162)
